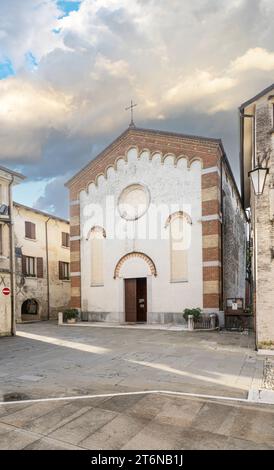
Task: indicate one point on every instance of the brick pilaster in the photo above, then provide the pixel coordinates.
(75, 252)
(211, 233)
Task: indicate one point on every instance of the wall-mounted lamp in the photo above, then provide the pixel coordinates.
(258, 178)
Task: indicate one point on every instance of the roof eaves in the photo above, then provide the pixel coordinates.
(256, 97)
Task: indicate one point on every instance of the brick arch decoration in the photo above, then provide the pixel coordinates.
(176, 215)
(135, 254)
(96, 229)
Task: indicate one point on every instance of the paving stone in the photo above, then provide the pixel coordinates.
(120, 403)
(14, 439)
(50, 444)
(212, 416)
(196, 439)
(57, 418)
(178, 411)
(256, 425)
(243, 444)
(81, 427)
(28, 414)
(155, 436)
(31, 378)
(114, 434)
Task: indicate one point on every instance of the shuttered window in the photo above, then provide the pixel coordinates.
(63, 270)
(30, 231)
(28, 266)
(65, 239)
(40, 271)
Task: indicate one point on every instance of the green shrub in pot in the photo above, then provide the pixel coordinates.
(196, 312)
(70, 313)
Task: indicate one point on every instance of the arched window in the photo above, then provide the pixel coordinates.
(179, 229)
(97, 236)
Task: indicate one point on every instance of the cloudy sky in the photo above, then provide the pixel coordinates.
(69, 68)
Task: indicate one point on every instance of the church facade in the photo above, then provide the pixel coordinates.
(157, 226)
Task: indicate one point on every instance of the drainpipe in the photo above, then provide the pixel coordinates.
(47, 263)
(12, 259)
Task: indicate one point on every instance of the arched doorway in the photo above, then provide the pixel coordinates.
(136, 300)
(30, 307)
(136, 270)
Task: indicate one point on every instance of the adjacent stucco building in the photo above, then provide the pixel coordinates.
(8, 179)
(257, 140)
(42, 264)
(147, 229)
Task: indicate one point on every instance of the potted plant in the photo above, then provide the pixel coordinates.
(70, 315)
(195, 312)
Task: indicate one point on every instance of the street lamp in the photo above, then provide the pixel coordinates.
(258, 177)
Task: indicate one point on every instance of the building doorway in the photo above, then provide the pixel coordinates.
(30, 307)
(136, 300)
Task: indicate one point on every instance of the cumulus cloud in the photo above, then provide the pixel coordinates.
(254, 59)
(28, 110)
(185, 63)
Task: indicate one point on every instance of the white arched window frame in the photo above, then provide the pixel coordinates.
(96, 238)
(179, 225)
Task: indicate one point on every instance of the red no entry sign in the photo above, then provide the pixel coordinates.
(6, 291)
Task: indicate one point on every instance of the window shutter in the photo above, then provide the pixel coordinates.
(30, 230)
(27, 230)
(24, 265)
(40, 272)
(61, 270)
(65, 239)
(32, 227)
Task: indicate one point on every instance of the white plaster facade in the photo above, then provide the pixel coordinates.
(177, 187)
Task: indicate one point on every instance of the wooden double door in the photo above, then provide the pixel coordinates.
(136, 300)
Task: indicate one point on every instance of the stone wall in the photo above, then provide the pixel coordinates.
(234, 241)
(263, 232)
(5, 278)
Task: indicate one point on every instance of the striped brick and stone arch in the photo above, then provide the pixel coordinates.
(135, 254)
(176, 215)
(194, 159)
(169, 157)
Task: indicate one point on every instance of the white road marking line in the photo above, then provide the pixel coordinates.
(121, 394)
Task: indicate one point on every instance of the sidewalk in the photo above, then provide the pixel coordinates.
(135, 326)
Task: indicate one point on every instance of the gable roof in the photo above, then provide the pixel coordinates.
(188, 140)
(257, 97)
(152, 132)
(38, 211)
(12, 173)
